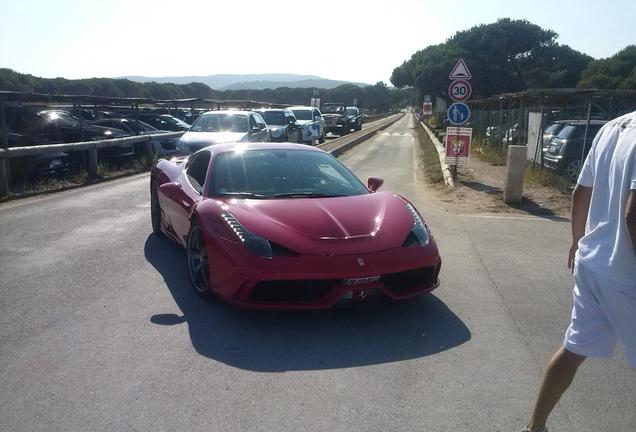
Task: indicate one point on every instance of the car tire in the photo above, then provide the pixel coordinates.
(155, 208)
(321, 140)
(197, 261)
(573, 169)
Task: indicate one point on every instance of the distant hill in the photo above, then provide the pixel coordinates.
(249, 81)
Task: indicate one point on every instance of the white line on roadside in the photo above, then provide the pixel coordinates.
(527, 218)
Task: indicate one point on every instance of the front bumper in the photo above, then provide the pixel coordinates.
(319, 282)
(552, 162)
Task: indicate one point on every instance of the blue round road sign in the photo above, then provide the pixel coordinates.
(458, 113)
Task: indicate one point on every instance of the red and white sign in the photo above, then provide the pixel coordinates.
(460, 71)
(427, 108)
(458, 141)
(460, 90)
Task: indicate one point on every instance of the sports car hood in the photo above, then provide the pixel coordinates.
(324, 226)
(197, 140)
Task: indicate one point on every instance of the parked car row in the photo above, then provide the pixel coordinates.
(565, 145)
(298, 124)
(28, 125)
(39, 125)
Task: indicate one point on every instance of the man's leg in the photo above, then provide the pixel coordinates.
(557, 378)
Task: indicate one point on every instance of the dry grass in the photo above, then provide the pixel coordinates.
(429, 158)
(547, 178)
(492, 155)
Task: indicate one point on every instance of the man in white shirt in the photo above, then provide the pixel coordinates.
(603, 259)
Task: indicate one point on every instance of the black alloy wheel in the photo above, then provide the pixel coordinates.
(573, 169)
(155, 208)
(198, 261)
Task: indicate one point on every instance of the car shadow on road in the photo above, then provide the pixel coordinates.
(268, 341)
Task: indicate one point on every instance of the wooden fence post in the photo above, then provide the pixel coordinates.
(92, 164)
(4, 178)
(4, 164)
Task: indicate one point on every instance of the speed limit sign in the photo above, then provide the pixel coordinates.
(460, 90)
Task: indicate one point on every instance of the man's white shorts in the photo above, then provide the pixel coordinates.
(603, 312)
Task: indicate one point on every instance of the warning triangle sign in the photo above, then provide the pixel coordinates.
(460, 71)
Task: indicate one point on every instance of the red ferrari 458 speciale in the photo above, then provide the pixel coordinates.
(288, 226)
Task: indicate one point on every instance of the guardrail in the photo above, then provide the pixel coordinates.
(90, 146)
(372, 118)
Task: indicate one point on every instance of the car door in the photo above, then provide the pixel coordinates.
(293, 130)
(320, 121)
(182, 200)
(263, 133)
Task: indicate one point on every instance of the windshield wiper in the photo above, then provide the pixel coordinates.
(307, 195)
(243, 195)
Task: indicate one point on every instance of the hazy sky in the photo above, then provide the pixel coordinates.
(348, 40)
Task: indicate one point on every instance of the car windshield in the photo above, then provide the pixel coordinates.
(551, 130)
(174, 121)
(61, 118)
(352, 111)
(220, 123)
(332, 108)
(302, 114)
(273, 117)
(143, 127)
(279, 173)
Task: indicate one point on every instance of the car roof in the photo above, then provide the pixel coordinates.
(270, 110)
(231, 112)
(231, 147)
(581, 122)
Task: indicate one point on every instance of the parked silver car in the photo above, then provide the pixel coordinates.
(312, 123)
(216, 127)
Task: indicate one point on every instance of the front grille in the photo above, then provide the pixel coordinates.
(291, 291)
(411, 279)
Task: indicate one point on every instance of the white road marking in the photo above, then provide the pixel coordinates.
(528, 218)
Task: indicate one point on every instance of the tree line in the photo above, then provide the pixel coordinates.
(378, 97)
(510, 56)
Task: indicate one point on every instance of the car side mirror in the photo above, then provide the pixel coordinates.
(374, 183)
(170, 188)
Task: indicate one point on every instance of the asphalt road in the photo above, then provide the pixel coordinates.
(100, 330)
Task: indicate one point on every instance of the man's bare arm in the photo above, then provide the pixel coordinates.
(581, 198)
(630, 217)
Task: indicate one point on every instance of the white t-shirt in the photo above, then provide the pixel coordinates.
(610, 169)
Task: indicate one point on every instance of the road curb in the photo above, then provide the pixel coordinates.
(441, 151)
(357, 137)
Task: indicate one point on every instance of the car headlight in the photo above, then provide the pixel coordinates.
(419, 232)
(255, 244)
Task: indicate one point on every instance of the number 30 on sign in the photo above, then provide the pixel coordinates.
(459, 90)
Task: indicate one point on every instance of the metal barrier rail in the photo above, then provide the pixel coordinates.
(90, 146)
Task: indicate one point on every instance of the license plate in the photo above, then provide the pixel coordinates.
(361, 280)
